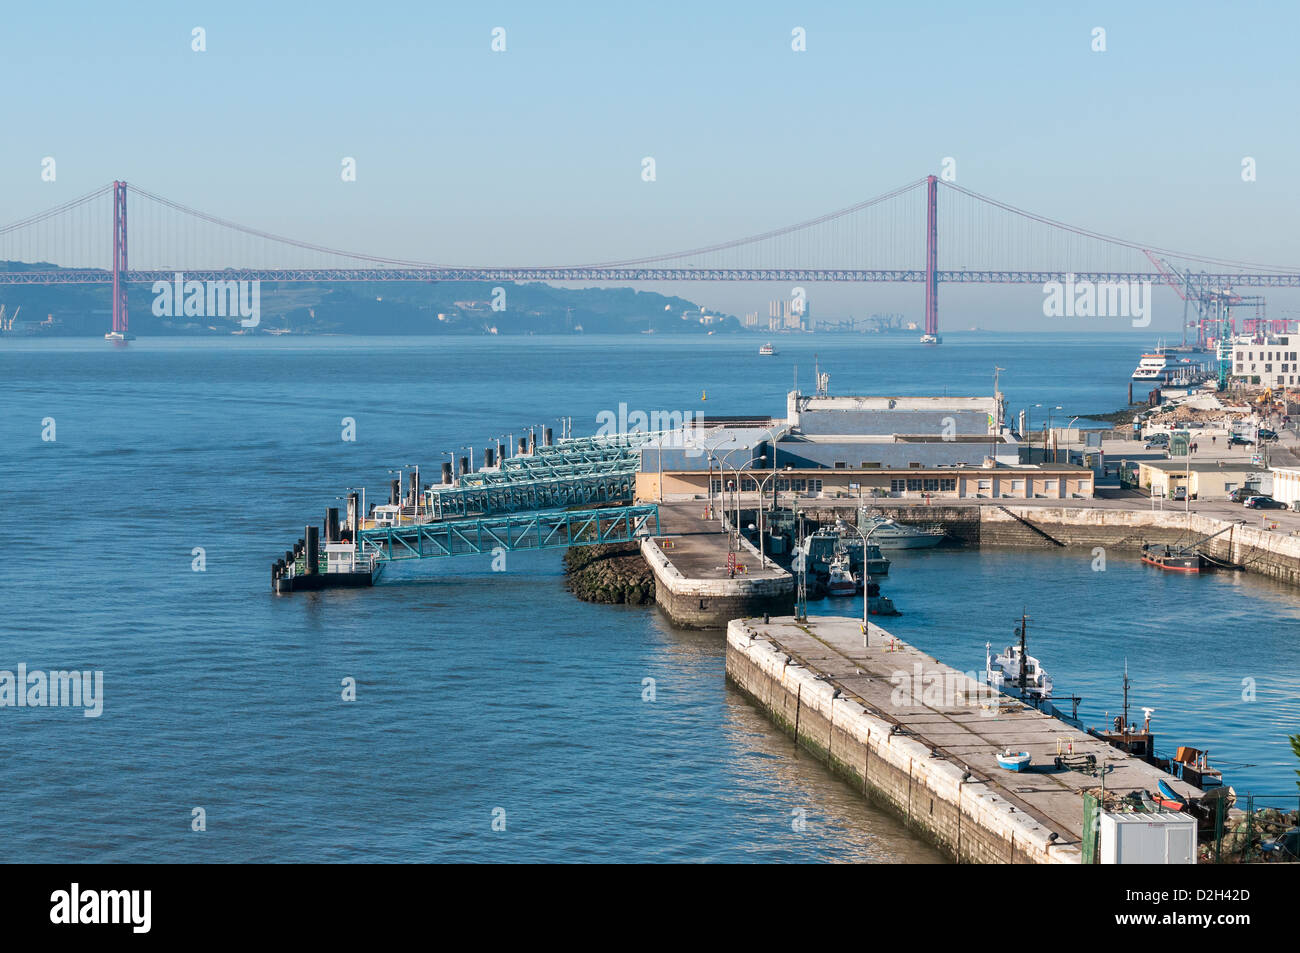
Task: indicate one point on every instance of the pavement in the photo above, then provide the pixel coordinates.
(698, 547)
(960, 728)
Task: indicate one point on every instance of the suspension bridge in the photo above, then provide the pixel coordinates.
(899, 236)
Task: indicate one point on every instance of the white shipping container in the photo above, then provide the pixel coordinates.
(1163, 837)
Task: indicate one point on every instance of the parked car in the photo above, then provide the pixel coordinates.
(1268, 435)
(1264, 503)
(1237, 440)
(1242, 494)
(1158, 440)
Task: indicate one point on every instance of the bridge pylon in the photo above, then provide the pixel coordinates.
(931, 261)
(119, 258)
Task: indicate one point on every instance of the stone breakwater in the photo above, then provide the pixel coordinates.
(611, 573)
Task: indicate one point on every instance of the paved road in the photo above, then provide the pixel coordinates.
(699, 547)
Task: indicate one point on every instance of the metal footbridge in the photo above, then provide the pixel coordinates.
(577, 492)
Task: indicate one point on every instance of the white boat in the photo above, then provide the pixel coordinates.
(1002, 671)
(117, 337)
(888, 534)
(1153, 367)
(1013, 760)
(1158, 368)
(767, 350)
(931, 339)
(842, 582)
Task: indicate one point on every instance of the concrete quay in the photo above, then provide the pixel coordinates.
(692, 582)
(922, 738)
(1268, 542)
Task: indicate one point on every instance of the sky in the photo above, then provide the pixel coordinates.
(534, 155)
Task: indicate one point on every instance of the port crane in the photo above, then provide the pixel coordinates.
(7, 324)
(1213, 313)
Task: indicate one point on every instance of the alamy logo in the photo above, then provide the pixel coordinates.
(682, 428)
(73, 906)
(209, 299)
(37, 689)
(1098, 299)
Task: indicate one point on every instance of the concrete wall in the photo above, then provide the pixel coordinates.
(712, 603)
(1269, 553)
(965, 820)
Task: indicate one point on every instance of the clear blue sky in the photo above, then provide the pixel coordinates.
(533, 155)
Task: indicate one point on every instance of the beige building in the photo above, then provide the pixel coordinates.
(1030, 481)
(1213, 480)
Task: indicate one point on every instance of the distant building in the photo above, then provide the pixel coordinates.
(1211, 480)
(1271, 362)
(782, 315)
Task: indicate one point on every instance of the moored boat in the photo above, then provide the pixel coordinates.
(1016, 672)
(888, 534)
(1171, 560)
(841, 581)
(878, 604)
(1013, 760)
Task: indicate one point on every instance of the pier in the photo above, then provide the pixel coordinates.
(922, 738)
(701, 581)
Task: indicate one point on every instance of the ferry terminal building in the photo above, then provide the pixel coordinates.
(830, 446)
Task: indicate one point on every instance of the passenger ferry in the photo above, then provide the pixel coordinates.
(1154, 367)
(1159, 368)
(767, 350)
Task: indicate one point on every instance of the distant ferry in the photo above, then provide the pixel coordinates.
(931, 339)
(767, 350)
(117, 337)
(1158, 368)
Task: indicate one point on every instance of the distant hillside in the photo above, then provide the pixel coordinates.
(453, 307)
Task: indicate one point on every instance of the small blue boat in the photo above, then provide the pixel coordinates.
(1013, 760)
(1169, 798)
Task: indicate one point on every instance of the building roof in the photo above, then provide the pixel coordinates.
(1178, 466)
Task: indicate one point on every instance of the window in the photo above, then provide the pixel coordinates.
(814, 486)
(913, 483)
(1049, 486)
(747, 485)
(799, 485)
(840, 465)
(986, 484)
(897, 486)
(948, 483)
(1017, 485)
(930, 485)
(871, 464)
(913, 466)
(783, 486)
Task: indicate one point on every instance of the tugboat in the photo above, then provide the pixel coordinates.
(1128, 737)
(878, 604)
(1183, 558)
(1171, 560)
(841, 581)
(1015, 671)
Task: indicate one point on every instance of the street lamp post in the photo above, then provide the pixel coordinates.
(733, 538)
(866, 575)
(762, 557)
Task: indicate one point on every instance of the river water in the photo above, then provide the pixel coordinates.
(487, 697)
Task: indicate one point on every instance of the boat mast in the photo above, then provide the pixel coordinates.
(1124, 723)
(1024, 621)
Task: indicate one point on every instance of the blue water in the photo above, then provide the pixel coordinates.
(479, 691)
